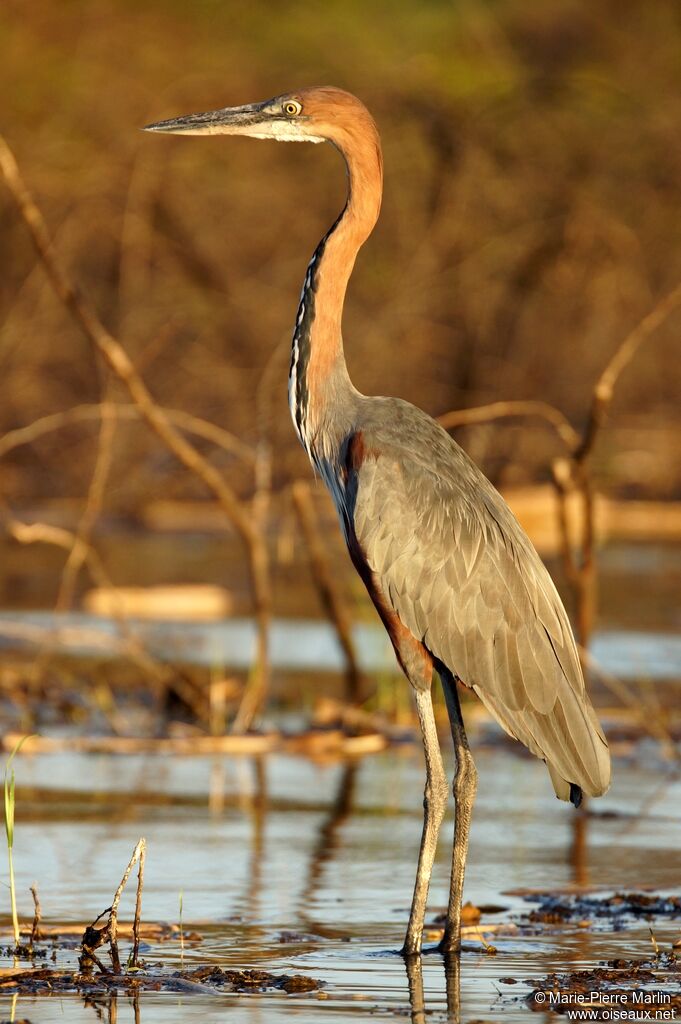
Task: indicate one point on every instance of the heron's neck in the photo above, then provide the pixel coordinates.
(321, 395)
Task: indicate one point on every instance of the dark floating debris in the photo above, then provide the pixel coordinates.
(558, 908)
(250, 981)
(636, 989)
(206, 979)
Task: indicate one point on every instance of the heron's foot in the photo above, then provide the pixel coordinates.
(412, 946)
(450, 943)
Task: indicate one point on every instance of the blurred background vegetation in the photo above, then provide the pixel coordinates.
(531, 218)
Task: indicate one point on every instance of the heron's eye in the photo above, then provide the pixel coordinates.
(291, 108)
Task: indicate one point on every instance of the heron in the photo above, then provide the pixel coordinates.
(456, 582)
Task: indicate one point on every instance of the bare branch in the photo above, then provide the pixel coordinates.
(91, 512)
(605, 386)
(115, 355)
(86, 413)
(508, 410)
(120, 363)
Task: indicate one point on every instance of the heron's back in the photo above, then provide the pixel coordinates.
(455, 565)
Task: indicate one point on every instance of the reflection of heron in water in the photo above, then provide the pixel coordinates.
(417, 1000)
(326, 846)
(458, 585)
(255, 803)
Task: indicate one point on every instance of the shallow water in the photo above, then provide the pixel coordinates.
(301, 646)
(261, 848)
(637, 632)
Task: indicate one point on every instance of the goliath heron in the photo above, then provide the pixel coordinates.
(455, 580)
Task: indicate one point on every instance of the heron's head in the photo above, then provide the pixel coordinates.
(309, 115)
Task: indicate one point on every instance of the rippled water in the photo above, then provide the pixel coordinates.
(261, 848)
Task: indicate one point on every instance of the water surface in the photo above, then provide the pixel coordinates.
(261, 849)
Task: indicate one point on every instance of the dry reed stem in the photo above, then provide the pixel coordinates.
(120, 363)
(138, 906)
(137, 855)
(37, 914)
(329, 594)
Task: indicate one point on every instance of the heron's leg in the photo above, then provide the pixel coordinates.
(414, 965)
(417, 1001)
(434, 803)
(465, 786)
(453, 987)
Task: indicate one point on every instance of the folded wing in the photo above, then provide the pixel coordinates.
(465, 580)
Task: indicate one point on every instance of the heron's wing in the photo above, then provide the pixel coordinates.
(461, 575)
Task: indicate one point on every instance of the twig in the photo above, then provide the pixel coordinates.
(138, 906)
(91, 512)
(326, 587)
(37, 914)
(86, 413)
(653, 941)
(507, 410)
(137, 855)
(181, 928)
(605, 386)
(120, 363)
(583, 575)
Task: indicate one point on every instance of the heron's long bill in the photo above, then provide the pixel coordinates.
(227, 121)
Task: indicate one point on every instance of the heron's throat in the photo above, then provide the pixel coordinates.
(320, 391)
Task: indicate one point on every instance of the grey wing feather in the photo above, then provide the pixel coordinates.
(465, 580)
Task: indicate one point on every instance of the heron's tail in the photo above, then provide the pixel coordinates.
(595, 777)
